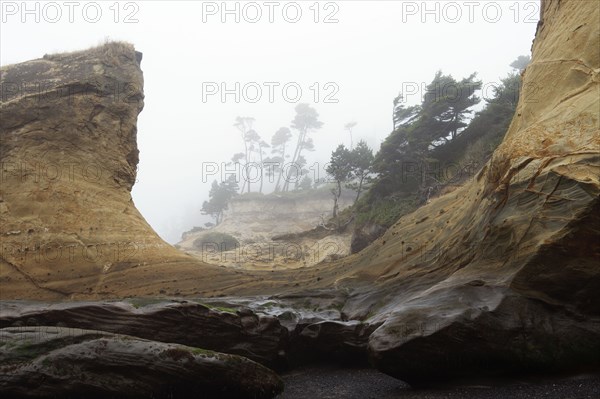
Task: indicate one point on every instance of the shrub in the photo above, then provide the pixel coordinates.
(223, 241)
(386, 211)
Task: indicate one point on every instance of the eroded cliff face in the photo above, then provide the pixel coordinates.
(69, 156)
(275, 231)
(503, 274)
(499, 275)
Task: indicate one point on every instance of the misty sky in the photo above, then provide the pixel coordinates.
(373, 50)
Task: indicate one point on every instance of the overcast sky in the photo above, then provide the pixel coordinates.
(360, 54)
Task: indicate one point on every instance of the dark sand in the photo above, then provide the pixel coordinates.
(360, 383)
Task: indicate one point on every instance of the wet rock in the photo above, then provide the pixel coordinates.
(50, 362)
(506, 279)
(327, 340)
(257, 337)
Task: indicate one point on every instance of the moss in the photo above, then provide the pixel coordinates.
(268, 305)
(218, 308)
(287, 315)
(177, 354)
(204, 352)
(224, 309)
(141, 302)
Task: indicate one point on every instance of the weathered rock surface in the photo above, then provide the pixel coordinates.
(503, 274)
(257, 337)
(318, 331)
(50, 362)
(256, 218)
(276, 332)
(278, 230)
(68, 225)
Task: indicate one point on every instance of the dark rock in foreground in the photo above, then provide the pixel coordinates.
(502, 275)
(50, 362)
(517, 337)
(257, 337)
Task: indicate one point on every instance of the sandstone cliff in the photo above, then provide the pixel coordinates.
(69, 156)
(275, 231)
(499, 275)
(255, 217)
(504, 273)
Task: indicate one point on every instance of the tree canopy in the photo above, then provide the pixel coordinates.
(219, 197)
(305, 121)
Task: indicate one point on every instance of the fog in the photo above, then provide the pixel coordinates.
(359, 60)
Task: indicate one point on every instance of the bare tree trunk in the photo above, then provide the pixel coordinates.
(261, 168)
(277, 186)
(336, 197)
(360, 184)
(243, 187)
(247, 178)
(297, 151)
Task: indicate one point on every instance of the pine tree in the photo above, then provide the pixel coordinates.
(361, 164)
(219, 197)
(305, 121)
(340, 170)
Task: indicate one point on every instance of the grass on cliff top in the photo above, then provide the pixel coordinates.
(107, 49)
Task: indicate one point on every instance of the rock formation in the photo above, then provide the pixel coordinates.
(274, 231)
(503, 274)
(256, 218)
(37, 362)
(258, 337)
(69, 156)
(498, 276)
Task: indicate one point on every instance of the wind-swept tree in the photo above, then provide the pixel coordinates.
(422, 129)
(244, 125)
(521, 63)
(299, 171)
(305, 121)
(361, 164)
(219, 197)
(446, 107)
(402, 115)
(487, 128)
(340, 170)
(262, 145)
(278, 146)
(272, 167)
(254, 146)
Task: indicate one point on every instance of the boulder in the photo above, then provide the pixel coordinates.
(50, 362)
(502, 275)
(242, 332)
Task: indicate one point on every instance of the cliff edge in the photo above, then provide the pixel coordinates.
(69, 227)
